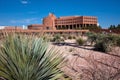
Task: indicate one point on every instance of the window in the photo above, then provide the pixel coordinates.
(47, 28)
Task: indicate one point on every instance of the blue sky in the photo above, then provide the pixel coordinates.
(25, 12)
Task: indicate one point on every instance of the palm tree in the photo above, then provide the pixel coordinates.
(25, 57)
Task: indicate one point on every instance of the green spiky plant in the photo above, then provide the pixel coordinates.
(25, 57)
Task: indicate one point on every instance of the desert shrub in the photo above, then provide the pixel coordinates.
(92, 37)
(74, 37)
(105, 42)
(64, 36)
(80, 41)
(103, 46)
(57, 38)
(28, 58)
(118, 41)
(70, 37)
(112, 38)
(47, 37)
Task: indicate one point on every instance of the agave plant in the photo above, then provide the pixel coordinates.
(28, 58)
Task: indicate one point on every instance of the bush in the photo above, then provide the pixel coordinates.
(92, 37)
(103, 46)
(28, 58)
(58, 39)
(80, 41)
(64, 36)
(74, 37)
(70, 37)
(105, 42)
(118, 41)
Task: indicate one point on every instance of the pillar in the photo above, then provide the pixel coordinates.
(68, 26)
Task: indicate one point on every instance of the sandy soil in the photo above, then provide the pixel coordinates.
(77, 57)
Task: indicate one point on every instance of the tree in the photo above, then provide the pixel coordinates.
(93, 27)
(118, 26)
(112, 27)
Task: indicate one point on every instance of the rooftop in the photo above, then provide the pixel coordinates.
(64, 17)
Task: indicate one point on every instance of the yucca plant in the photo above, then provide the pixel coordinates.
(25, 57)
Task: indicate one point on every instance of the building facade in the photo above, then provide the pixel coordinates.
(51, 22)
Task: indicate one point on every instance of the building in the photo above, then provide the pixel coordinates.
(51, 22)
(57, 25)
(13, 28)
(36, 27)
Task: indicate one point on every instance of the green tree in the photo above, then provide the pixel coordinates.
(118, 26)
(112, 27)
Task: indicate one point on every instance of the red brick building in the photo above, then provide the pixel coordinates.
(51, 22)
(36, 27)
(13, 28)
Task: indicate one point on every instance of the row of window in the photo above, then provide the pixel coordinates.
(66, 22)
(89, 18)
(67, 19)
(77, 18)
(76, 25)
(76, 22)
(91, 21)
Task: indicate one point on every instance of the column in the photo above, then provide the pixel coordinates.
(73, 26)
(79, 26)
(84, 26)
(76, 26)
(68, 26)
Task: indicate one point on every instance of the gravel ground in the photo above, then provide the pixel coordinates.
(77, 57)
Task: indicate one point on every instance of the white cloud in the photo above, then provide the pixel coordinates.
(24, 2)
(30, 20)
